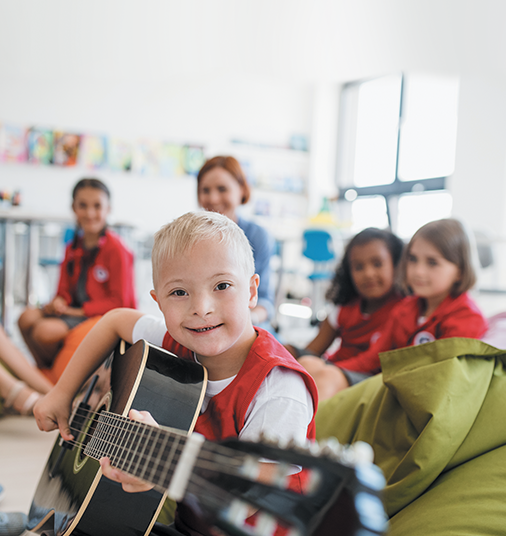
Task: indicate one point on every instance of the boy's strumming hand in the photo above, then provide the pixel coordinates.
(129, 483)
(52, 412)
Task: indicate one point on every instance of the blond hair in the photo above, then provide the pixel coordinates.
(184, 232)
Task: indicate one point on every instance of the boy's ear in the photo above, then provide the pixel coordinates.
(153, 295)
(253, 290)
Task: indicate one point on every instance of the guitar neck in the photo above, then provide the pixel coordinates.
(146, 452)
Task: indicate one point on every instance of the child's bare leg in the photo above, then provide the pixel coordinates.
(329, 379)
(14, 359)
(17, 394)
(44, 336)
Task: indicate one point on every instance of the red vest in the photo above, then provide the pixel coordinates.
(357, 331)
(224, 416)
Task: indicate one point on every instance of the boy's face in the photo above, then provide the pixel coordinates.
(206, 297)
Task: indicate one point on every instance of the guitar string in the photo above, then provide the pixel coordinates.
(206, 460)
(129, 422)
(210, 457)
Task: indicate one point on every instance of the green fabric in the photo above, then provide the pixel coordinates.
(436, 419)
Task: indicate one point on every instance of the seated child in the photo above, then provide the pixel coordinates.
(205, 285)
(363, 293)
(437, 271)
(95, 276)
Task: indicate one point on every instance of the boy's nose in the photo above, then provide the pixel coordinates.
(202, 305)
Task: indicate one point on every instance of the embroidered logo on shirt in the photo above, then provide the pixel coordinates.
(100, 274)
(375, 336)
(423, 337)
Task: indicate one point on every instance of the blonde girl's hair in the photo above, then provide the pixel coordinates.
(450, 238)
(184, 232)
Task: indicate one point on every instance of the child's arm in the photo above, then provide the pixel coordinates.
(54, 409)
(325, 337)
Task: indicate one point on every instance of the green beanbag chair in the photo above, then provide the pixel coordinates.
(436, 419)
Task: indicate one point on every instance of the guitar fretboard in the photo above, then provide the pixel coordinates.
(144, 451)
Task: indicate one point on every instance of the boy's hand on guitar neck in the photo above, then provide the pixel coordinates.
(129, 483)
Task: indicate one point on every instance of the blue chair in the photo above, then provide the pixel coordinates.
(318, 246)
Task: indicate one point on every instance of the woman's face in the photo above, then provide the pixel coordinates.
(219, 191)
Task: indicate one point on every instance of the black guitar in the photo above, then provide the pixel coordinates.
(342, 496)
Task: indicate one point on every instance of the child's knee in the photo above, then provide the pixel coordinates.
(49, 332)
(28, 318)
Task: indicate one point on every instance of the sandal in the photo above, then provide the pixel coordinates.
(27, 406)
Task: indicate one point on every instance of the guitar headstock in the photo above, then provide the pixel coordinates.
(340, 492)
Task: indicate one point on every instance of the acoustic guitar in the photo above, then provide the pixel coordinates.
(342, 495)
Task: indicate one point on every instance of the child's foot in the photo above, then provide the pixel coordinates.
(12, 523)
(21, 399)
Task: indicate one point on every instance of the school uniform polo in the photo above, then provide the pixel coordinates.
(109, 278)
(455, 317)
(357, 330)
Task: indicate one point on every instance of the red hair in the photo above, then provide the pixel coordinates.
(230, 164)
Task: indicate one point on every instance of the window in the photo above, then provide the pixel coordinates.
(397, 140)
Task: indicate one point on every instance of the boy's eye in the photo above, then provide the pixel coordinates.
(222, 286)
(178, 292)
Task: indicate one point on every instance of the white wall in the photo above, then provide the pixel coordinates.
(206, 72)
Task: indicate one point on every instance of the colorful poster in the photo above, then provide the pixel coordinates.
(93, 151)
(146, 157)
(40, 146)
(120, 154)
(12, 143)
(193, 159)
(171, 160)
(65, 148)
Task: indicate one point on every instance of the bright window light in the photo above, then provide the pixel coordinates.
(429, 127)
(377, 131)
(370, 211)
(296, 310)
(415, 210)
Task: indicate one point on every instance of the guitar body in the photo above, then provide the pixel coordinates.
(72, 496)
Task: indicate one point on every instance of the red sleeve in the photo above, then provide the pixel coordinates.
(368, 361)
(466, 322)
(119, 263)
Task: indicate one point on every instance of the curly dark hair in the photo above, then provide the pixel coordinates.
(342, 289)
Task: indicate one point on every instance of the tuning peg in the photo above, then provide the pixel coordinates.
(331, 447)
(237, 512)
(268, 439)
(313, 482)
(250, 467)
(265, 524)
(364, 454)
(314, 448)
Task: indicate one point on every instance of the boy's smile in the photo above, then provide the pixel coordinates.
(205, 296)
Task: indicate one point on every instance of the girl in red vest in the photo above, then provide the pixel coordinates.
(96, 276)
(437, 271)
(363, 293)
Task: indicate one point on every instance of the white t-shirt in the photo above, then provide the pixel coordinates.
(282, 408)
